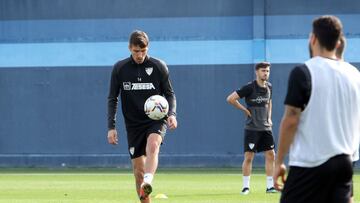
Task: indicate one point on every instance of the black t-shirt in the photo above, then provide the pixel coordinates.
(257, 100)
(248, 89)
(299, 87)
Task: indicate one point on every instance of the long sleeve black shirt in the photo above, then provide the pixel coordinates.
(135, 83)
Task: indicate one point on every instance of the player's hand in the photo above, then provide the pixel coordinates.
(112, 137)
(247, 113)
(270, 122)
(279, 172)
(172, 122)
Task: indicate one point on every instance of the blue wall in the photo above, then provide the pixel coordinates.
(56, 58)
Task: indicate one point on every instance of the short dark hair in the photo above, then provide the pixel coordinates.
(139, 38)
(340, 49)
(263, 64)
(327, 29)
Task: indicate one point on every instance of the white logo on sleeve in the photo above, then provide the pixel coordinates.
(132, 150)
(251, 145)
(149, 70)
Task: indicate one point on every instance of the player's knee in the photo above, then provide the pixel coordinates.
(270, 155)
(248, 160)
(152, 147)
(248, 157)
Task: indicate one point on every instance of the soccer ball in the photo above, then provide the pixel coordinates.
(156, 107)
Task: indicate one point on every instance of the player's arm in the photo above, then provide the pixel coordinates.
(270, 105)
(169, 94)
(112, 106)
(288, 127)
(233, 99)
(297, 97)
(270, 111)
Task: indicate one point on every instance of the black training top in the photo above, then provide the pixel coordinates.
(136, 83)
(299, 87)
(257, 101)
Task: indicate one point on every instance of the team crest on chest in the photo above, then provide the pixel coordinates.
(149, 70)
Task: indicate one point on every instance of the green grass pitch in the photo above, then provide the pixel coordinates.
(108, 186)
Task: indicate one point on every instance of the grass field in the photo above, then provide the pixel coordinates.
(107, 186)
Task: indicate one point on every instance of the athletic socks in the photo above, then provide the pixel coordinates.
(246, 181)
(269, 182)
(148, 177)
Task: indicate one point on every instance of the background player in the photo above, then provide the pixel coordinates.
(258, 130)
(137, 78)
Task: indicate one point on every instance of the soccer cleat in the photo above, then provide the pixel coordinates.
(145, 191)
(245, 191)
(271, 190)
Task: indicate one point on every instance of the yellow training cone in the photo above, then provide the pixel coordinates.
(161, 196)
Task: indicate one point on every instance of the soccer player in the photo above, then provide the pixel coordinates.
(137, 78)
(258, 130)
(321, 122)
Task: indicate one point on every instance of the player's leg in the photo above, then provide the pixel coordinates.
(250, 146)
(151, 163)
(266, 144)
(156, 133)
(269, 170)
(137, 149)
(138, 165)
(152, 156)
(250, 140)
(246, 169)
(247, 163)
(269, 162)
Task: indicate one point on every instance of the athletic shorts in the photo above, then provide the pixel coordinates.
(330, 182)
(258, 141)
(137, 137)
(352, 182)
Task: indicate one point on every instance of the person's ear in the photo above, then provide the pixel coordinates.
(338, 43)
(313, 39)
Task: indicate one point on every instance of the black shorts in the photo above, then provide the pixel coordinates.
(258, 141)
(137, 137)
(352, 182)
(330, 182)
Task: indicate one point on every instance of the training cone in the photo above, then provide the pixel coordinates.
(161, 196)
